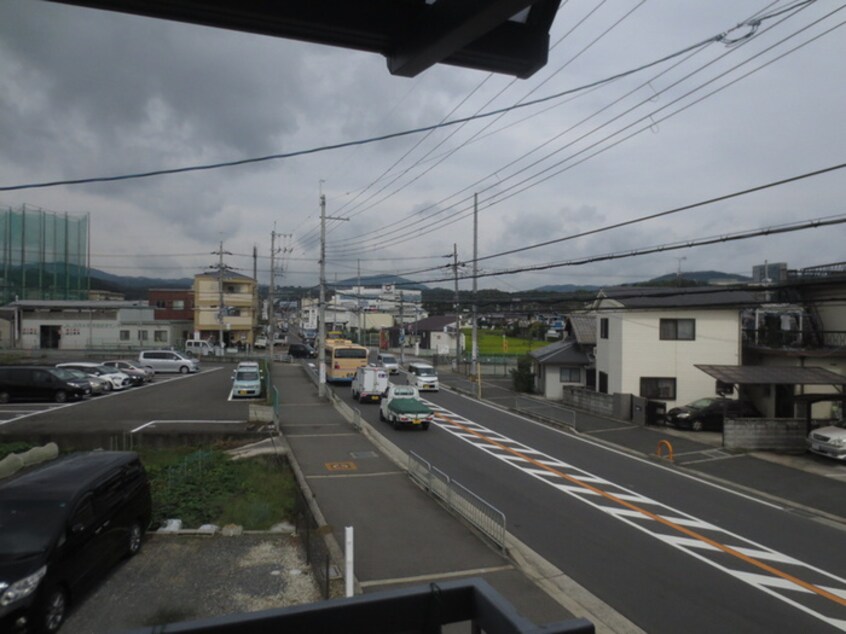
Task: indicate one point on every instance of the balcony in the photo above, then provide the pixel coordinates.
(773, 339)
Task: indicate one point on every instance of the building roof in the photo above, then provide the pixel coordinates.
(637, 297)
(772, 375)
(584, 328)
(226, 274)
(566, 352)
(79, 303)
(432, 324)
(500, 36)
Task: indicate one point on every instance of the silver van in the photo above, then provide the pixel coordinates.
(423, 376)
(168, 361)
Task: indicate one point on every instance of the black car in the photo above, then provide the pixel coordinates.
(63, 524)
(302, 351)
(33, 383)
(708, 413)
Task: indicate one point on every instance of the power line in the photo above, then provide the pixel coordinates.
(393, 135)
(501, 196)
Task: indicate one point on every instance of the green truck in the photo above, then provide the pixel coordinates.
(401, 407)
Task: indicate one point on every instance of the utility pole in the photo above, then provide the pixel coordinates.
(402, 330)
(321, 309)
(271, 299)
(221, 309)
(474, 354)
(457, 309)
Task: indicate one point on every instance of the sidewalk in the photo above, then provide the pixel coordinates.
(403, 537)
(808, 483)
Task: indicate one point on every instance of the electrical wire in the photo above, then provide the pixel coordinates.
(373, 139)
(510, 191)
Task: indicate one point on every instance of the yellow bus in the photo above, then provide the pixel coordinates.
(343, 358)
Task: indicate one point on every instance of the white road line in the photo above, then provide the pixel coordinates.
(191, 422)
(710, 545)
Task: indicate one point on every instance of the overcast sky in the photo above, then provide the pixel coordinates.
(87, 93)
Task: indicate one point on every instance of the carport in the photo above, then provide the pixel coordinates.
(729, 376)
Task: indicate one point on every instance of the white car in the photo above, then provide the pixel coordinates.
(829, 441)
(423, 376)
(260, 342)
(115, 379)
(388, 361)
(168, 361)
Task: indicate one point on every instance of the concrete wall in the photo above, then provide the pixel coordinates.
(758, 434)
(593, 402)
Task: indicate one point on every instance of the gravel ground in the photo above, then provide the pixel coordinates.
(180, 577)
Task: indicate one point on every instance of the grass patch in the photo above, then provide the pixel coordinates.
(491, 343)
(206, 487)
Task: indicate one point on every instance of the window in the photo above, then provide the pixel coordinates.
(124, 335)
(160, 303)
(603, 328)
(603, 382)
(677, 329)
(570, 375)
(658, 388)
(160, 336)
(142, 335)
(179, 304)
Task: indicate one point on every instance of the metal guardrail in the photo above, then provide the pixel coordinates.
(484, 516)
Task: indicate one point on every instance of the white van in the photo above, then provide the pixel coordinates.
(369, 384)
(168, 361)
(423, 376)
(199, 347)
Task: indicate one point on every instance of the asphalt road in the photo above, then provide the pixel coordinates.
(189, 400)
(668, 550)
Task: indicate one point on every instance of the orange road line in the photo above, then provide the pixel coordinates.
(662, 520)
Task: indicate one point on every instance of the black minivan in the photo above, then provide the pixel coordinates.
(37, 383)
(63, 525)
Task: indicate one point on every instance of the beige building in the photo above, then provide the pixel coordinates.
(236, 317)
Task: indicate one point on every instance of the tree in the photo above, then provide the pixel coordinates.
(521, 377)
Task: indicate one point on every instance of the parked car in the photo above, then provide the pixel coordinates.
(246, 381)
(169, 361)
(116, 379)
(97, 384)
(136, 376)
(829, 441)
(260, 343)
(302, 351)
(423, 376)
(707, 413)
(25, 383)
(388, 361)
(64, 524)
(200, 347)
(133, 368)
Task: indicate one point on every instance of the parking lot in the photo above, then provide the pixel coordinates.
(175, 577)
(174, 401)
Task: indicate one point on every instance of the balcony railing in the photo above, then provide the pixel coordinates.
(793, 339)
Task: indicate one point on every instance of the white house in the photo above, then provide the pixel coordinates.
(568, 362)
(648, 339)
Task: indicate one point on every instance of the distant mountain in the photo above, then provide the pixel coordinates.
(703, 277)
(377, 280)
(141, 282)
(567, 288)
